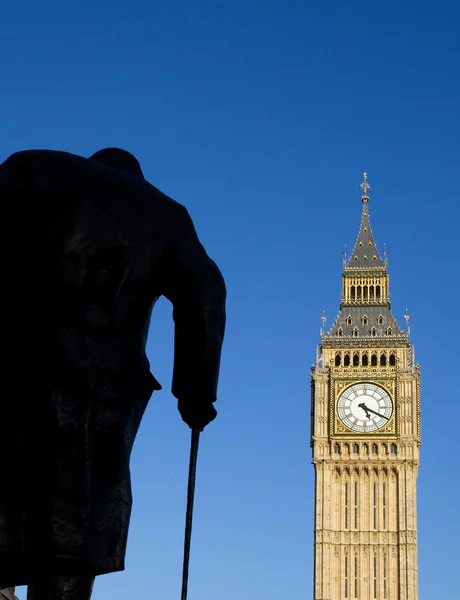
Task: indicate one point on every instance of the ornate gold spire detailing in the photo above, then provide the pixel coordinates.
(365, 186)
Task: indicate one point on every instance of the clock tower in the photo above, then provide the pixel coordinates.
(365, 438)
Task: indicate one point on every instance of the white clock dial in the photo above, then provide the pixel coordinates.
(365, 407)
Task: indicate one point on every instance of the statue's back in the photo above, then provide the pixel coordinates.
(87, 251)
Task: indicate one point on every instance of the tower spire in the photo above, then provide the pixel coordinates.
(365, 254)
(365, 309)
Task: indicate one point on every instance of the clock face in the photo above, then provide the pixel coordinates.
(365, 407)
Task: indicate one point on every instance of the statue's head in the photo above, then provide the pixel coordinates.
(116, 158)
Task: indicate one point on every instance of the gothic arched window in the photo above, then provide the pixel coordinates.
(337, 359)
(392, 360)
(383, 360)
(365, 360)
(374, 360)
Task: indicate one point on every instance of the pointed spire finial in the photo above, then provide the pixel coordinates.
(365, 186)
(407, 317)
(323, 321)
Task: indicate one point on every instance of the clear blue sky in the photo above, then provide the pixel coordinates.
(260, 117)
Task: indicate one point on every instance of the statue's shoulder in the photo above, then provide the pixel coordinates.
(41, 153)
(41, 157)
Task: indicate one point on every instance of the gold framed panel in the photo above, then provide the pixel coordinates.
(337, 430)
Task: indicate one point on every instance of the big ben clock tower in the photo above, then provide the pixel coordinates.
(365, 439)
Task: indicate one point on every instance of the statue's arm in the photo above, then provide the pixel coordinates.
(196, 288)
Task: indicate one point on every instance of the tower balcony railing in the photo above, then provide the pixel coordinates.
(350, 269)
(365, 369)
(351, 340)
(324, 370)
(355, 301)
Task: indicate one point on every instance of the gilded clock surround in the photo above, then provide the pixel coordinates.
(340, 430)
(365, 483)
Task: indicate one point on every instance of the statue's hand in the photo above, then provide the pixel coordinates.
(197, 414)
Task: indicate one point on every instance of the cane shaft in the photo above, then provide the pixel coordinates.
(189, 515)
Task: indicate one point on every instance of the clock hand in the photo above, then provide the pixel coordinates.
(368, 410)
(378, 414)
(365, 409)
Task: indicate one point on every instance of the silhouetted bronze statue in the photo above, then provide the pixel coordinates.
(88, 248)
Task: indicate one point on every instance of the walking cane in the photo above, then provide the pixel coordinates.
(189, 515)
